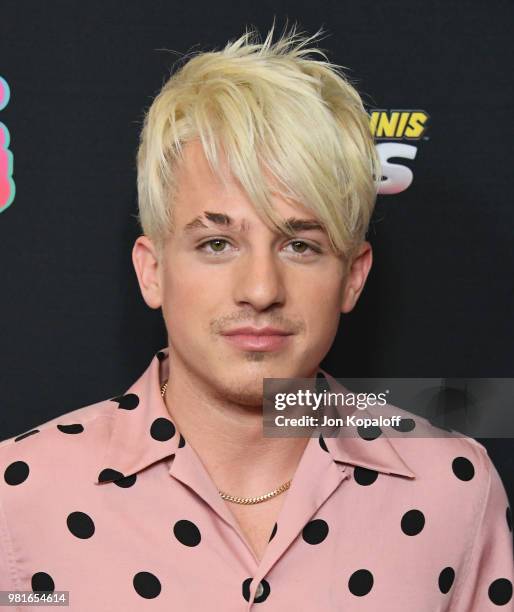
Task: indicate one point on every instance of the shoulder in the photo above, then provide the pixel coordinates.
(432, 450)
(452, 468)
(59, 448)
(40, 469)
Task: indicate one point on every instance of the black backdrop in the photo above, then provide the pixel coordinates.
(439, 300)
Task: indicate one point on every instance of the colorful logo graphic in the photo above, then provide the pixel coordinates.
(402, 130)
(7, 187)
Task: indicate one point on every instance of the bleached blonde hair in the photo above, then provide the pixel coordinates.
(268, 106)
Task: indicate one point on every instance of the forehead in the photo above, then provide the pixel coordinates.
(199, 188)
(194, 170)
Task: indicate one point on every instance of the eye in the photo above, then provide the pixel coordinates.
(217, 245)
(300, 247)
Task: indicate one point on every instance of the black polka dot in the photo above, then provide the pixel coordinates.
(413, 522)
(508, 515)
(162, 429)
(364, 476)
(147, 585)
(80, 524)
(246, 588)
(26, 435)
(127, 402)
(161, 355)
(360, 582)
(187, 533)
(16, 473)
(261, 594)
(126, 481)
(265, 590)
(315, 531)
(446, 578)
(322, 443)
(405, 425)
(369, 433)
(500, 591)
(273, 532)
(181, 441)
(109, 474)
(463, 468)
(73, 428)
(41, 581)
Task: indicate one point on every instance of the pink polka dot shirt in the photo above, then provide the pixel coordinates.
(110, 503)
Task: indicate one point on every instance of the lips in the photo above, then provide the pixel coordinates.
(258, 339)
(256, 331)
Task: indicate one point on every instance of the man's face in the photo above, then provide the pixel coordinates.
(224, 270)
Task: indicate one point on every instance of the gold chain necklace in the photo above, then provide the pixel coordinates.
(245, 500)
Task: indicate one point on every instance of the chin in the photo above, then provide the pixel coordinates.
(241, 385)
(245, 392)
(253, 372)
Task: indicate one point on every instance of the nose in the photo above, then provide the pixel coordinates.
(259, 281)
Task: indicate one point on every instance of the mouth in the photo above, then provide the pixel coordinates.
(258, 339)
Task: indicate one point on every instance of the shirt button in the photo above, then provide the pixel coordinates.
(260, 590)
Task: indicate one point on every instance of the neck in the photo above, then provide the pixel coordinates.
(228, 437)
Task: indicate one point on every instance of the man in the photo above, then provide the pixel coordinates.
(257, 177)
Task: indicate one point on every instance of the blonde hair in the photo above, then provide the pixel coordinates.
(270, 108)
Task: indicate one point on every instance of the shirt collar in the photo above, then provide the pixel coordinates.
(142, 432)
(378, 454)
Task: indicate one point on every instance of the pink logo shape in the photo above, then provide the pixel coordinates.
(7, 186)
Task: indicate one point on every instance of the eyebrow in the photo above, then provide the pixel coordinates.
(222, 219)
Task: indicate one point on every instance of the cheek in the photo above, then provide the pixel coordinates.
(192, 298)
(318, 300)
(319, 292)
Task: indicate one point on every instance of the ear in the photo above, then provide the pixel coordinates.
(148, 271)
(357, 274)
